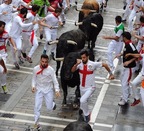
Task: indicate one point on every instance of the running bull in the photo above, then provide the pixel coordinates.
(70, 79)
(74, 40)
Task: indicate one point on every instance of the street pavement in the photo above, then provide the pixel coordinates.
(17, 107)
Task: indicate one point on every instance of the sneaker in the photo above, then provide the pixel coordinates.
(24, 54)
(29, 59)
(124, 7)
(124, 20)
(37, 126)
(122, 102)
(80, 111)
(135, 102)
(87, 118)
(17, 65)
(5, 90)
(41, 36)
(21, 59)
(54, 108)
(64, 22)
(44, 52)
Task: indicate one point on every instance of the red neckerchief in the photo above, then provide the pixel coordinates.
(40, 72)
(142, 25)
(128, 42)
(2, 33)
(55, 14)
(20, 15)
(33, 13)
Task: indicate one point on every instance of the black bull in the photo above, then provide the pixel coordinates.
(92, 32)
(89, 29)
(70, 79)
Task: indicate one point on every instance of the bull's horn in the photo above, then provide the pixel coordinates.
(77, 9)
(79, 23)
(53, 42)
(71, 42)
(59, 59)
(92, 24)
(93, 11)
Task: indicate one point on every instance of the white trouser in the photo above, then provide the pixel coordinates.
(135, 84)
(85, 94)
(116, 47)
(125, 79)
(139, 45)
(50, 36)
(62, 16)
(64, 4)
(38, 102)
(127, 12)
(3, 79)
(3, 76)
(131, 17)
(29, 38)
(137, 67)
(4, 55)
(142, 95)
(18, 43)
(8, 26)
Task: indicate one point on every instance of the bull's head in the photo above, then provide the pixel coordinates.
(92, 24)
(68, 63)
(63, 47)
(81, 23)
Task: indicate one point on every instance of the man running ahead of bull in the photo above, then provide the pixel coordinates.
(87, 83)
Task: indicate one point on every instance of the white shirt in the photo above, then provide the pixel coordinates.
(1, 69)
(137, 4)
(51, 20)
(141, 33)
(128, 2)
(46, 80)
(18, 3)
(6, 8)
(142, 70)
(17, 26)
(89, 80)
(3, 39)
(30, 18)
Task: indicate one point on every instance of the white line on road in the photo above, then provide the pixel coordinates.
(32, 115)
(103, 125)
(100, 50)
(100, 99)
(32, 122)
(20, 71)
(22, 67)
(44, 117)
(101, 47)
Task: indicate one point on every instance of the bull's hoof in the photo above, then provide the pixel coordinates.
(65, 106)
(75, 106)
(80, 118)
